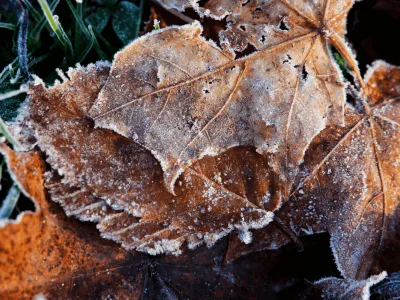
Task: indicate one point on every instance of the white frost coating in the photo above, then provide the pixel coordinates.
(332, 286)
(62, 75)
(336, 256)
(182, 5)
(162, 246)
(37, 80)
(40, 296)
(206, 12)
(195, 25)
(338, 70)
(370, 282)
(5, 222)
(246, 237)
(375, 66)
(71, 73)
(174, 246)
(211, 238)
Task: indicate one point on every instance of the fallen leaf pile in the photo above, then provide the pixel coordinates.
(181, 142)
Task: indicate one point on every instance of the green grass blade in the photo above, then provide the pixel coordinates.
(78, 30)
(37, 60)
(23, 89)
(1, 168)
(102, 39)
(140, 17)
(86, 31)
(156, 25)
(8, 26)
(6, 71)
(56, 27)
(89, 47)
(10, 202)
(43, 21)
(33, 11)
(7, 134)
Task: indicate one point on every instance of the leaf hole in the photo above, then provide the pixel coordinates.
(288, 60)
(242, 27)
(258, 9)
(247, 51)
(283, 25)
(304, 73)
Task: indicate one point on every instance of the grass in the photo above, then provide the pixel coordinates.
(41, 36)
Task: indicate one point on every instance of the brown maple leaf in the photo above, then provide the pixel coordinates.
(109, 179)
(46, 253)
(349, 185)
(182, 98)
(216, 9)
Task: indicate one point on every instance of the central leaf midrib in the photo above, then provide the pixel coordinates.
(210, 73)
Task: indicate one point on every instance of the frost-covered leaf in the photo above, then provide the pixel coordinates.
(126, 21)
(389, 288)
(347, 289)
(181, 97)
(216, 9)
(50, 254)
(349, 185)
(97, 167)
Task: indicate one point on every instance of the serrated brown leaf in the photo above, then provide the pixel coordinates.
(46, 253)
(182, 98)
(349, 185)
(97, 169)
(346, 289)
(216, 9)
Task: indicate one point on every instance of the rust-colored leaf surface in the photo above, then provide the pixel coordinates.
(182, 98)
(179, 143)
(349, 184)
(97, 169)
(46, 253)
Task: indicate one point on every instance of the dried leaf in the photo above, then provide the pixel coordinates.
(389, 288)
(50, 254)
(174, 95)
(98, 168)
(216, 9)
(182, 98)
(342, 289)
(348, 185)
